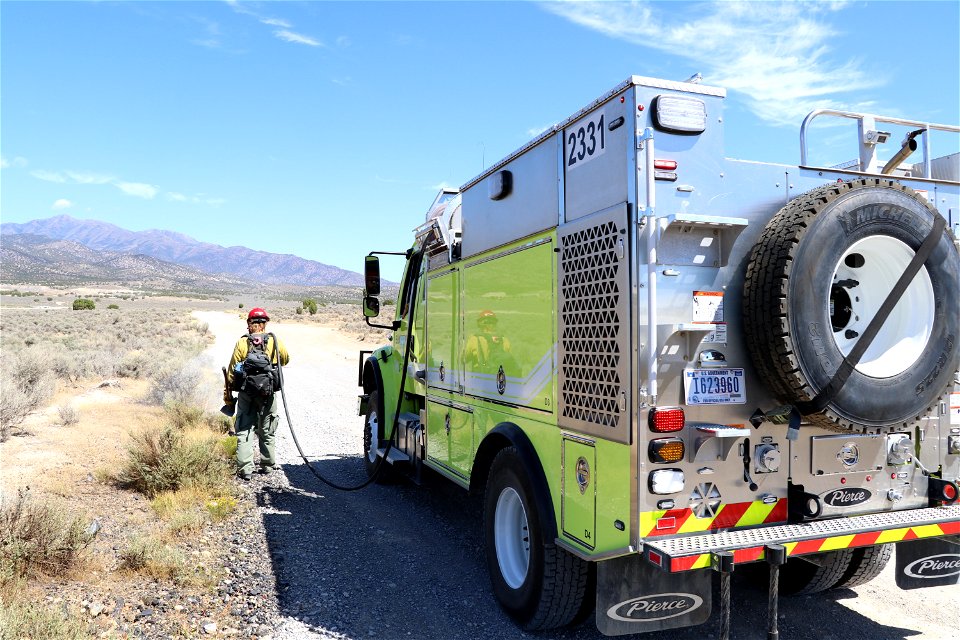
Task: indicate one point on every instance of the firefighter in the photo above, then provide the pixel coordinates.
(253, 373)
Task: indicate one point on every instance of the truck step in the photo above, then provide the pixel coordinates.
(396, 456)
(696, 552)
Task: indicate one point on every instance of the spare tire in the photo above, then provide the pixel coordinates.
(819, 273)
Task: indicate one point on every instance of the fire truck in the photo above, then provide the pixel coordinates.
(657, 364)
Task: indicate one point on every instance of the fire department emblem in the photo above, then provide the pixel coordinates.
(849, 455)
(501, 381)
(583, 474)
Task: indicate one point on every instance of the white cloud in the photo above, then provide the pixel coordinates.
(776, 54)
(197, 199)
(138, 189)
(62, 203)
(83, 177)
(48, 176)
(535, 131)
(276, 22)
(290, 36)
(18, 162)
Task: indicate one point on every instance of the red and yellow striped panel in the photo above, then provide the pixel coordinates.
(736, 514)
(804, 547)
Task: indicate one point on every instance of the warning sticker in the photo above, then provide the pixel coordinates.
(708, 306)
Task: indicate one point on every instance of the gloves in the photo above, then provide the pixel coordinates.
(228, 397)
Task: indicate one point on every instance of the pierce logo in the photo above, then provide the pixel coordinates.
(659, 606)
(931, 567)
(846, 497)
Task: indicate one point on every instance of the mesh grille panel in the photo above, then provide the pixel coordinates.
(593, 318)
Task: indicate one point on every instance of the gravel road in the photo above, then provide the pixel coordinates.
(400, 561)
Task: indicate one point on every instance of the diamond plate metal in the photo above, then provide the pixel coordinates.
(730, 540)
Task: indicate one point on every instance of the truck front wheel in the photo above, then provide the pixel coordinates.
(538, 584)
(372, 433)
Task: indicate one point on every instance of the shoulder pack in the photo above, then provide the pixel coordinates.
(257, 375)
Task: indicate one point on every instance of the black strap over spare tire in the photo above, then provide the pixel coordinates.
(814, 303)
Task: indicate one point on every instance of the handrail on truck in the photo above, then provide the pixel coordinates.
(868, 147)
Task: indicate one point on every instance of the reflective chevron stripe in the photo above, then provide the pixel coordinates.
(728, 516)
(818, 545)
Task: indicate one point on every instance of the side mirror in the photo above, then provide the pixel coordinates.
(371, 307)
(371, 274)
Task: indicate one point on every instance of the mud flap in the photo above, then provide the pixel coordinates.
(634, 596)
(931, 562)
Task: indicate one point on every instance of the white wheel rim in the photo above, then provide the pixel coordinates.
(512, 538)
(374, 423)
(867, 280)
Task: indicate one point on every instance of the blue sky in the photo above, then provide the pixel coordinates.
(324, 129)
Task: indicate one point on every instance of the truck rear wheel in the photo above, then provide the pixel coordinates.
(816, 278)
(538, 584)
(800, 577)
(866, 564)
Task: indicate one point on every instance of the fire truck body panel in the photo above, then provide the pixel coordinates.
(596, 280)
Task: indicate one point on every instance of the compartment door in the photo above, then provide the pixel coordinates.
(442, 314)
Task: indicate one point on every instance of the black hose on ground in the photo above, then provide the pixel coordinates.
(396, 414)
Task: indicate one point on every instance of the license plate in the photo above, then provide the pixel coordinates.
(714, 386)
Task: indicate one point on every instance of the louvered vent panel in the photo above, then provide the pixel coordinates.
(594, 309)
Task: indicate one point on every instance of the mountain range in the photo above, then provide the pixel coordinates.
(238, 263)
(29, 258)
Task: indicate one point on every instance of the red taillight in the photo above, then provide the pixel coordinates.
(666, 420)
(949, 492)
(665, 165)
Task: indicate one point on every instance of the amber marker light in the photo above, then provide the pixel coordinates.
(666, 450)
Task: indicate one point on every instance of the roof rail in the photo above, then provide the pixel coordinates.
(870, 136)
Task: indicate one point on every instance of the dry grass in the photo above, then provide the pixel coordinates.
(38, 537)
(22, 619)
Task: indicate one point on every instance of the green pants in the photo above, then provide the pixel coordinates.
(256, 416)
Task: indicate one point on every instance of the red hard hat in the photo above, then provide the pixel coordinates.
(257, 314)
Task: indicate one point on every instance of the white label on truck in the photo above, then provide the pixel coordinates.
(708, 306)
(955, 408)
(585, 140)
(718, 335)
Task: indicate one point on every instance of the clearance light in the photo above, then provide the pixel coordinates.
(664, 481)
(665, 165)
(666, 420)
(680, 114)
(666, 450)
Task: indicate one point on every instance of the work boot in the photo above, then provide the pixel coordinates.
(244, 476)
(266, 469)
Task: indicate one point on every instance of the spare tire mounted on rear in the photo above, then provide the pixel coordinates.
(817, 277)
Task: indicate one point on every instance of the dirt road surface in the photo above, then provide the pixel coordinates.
(401, 561)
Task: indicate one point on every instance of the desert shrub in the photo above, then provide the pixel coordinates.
(299, 311)
(183, 416)
(240, 306)
(27, 384)
(83, 304)
(68, 415)
(38, 537)
(310, 305)
(133, 364)
(177, 386)
(113, 306)
(149, 555)
(166, 458)
(21, 618)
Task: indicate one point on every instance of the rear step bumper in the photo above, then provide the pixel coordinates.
(696, 552)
